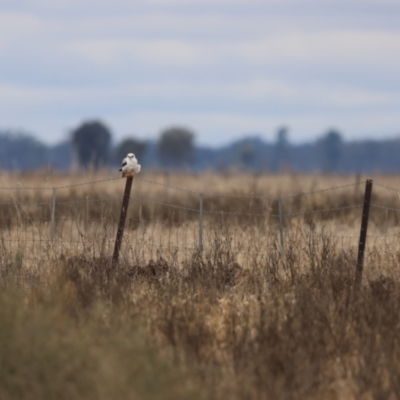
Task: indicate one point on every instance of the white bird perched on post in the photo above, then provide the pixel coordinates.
(130, 166)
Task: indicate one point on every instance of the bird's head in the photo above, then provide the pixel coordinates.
(131, 155)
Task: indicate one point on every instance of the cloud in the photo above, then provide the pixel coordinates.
(218, 66)
(14, 26)
(107, 52)
(333, 47)
(341, 51)
(178, 39)
(216, 111)
(171, 94)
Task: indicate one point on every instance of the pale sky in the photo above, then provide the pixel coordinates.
(224, 68)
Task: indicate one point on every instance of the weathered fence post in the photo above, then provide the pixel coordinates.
(201, 221)
(122, 218)
(363, 232)
(281, 227)
(53, 213)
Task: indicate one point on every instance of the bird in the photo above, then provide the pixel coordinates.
(130, 166)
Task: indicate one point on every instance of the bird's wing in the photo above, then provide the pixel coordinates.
(124, 162)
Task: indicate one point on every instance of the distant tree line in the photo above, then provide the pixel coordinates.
(91, 145)
(22, 151)
(91, 142)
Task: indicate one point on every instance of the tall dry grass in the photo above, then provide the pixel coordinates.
(236, 320)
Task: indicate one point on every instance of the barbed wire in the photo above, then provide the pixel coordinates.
(89, 200)
(384, 236)
(196, 210)
(320, 190)
(144, 200)
(385, 208)
(57, 241)
(57, 187)
(322, 210)
(387, 187)
(221, 212)
(204, 193)
(198, 193)
(166, 185)
(216, 194)
(105, 199)
(320, 234)
(24, 203)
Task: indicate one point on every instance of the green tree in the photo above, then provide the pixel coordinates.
(176, 147)
(131, 145)
(91, 142)
(332, 145)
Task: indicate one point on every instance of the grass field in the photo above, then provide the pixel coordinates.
(238, 319)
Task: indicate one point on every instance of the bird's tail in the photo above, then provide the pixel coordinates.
(120, 169)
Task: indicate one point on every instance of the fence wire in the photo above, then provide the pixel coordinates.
(235, 195)
(57, 187)
(186, 190)
(47, 203)
(387, 187)
(385, 208)
(167, 234)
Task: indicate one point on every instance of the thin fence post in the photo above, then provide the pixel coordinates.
(281, 227)
(201, 221)
(53, 213)
(363, 233)
(122, 218)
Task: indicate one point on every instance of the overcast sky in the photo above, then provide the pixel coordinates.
(224, 68)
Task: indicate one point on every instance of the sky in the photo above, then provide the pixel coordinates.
(223, 68)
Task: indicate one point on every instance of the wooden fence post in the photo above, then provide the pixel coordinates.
(122, 218)
(363, 233)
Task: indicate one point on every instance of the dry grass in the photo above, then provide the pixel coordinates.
(235, 321)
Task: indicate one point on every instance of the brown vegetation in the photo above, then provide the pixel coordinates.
(236, 320)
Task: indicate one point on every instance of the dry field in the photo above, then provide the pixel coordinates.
(239, 318)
